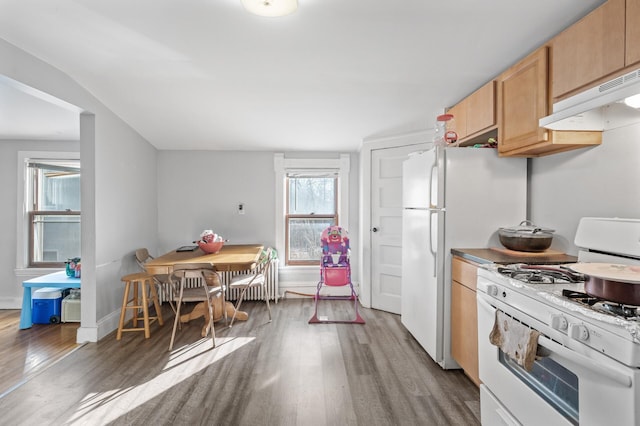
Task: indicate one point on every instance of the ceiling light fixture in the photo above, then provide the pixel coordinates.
(270, 8)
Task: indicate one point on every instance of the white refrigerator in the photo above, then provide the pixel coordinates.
(451, 198)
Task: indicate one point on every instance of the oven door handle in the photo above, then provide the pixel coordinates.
(506, 418)
(585, 362)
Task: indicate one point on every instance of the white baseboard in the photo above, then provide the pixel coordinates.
(10, 302)
(109, 323)
(105, 326)
(87, 334)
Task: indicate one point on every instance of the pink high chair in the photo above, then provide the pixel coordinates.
(335, 271)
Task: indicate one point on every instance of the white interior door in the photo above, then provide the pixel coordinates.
(386, 226)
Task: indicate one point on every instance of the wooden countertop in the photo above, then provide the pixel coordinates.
(505, 256)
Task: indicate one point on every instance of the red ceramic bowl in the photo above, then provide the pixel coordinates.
(210, 247)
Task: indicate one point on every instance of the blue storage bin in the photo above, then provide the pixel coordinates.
(46, 305)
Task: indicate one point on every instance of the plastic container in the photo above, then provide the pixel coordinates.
(46, 305)
(73, 267)
(71, 308)
(445, 133)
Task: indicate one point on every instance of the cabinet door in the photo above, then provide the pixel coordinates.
(464, 329)
(590, 49)
(481, 108)
(632, 39)
(460, 118)
(464, 272)
(522, 100)
(464, 316)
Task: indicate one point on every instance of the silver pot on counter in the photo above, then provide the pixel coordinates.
(526, 237)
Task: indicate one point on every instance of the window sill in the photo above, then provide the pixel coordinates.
(29, 272)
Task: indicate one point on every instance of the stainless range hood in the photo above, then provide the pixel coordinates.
(599, 108)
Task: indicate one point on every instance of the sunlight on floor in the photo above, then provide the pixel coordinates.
(34, 358)
(104, 407)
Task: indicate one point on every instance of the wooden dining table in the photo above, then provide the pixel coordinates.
(239, 257)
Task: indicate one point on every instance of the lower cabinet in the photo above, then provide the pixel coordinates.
(464, 316)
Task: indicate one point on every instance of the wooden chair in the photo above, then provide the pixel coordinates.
(205, 285)
(257, 278)
(163, 282)
(140, 300)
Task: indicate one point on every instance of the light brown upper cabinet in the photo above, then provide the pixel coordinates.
(481, 109)
(475, 115)
(595, 48)
(523, 98)
(632, 39)
(459, 112)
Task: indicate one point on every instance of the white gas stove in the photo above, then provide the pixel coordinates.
(588, 354)
(609, 328)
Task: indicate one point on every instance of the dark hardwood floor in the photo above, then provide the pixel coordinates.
(25, 353)
(282, 373)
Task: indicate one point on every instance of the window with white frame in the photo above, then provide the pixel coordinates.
(51, 215)
(311, 207)
(311, 194)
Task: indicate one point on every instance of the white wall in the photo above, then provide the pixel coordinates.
(200, 190)
(602, 181)
(126, 210)
(119, 198)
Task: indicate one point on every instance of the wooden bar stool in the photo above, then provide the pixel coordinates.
(146, 285)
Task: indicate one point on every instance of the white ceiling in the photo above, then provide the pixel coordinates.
(26, 113)
(205, 74)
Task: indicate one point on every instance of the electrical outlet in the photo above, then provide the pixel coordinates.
(241, 208)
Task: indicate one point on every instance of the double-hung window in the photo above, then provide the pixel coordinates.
(53, 210)
(311, 195)
(311, 207)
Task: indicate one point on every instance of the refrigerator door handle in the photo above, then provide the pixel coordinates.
(433, 252)
(433, 168)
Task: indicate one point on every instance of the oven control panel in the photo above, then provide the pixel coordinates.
(576, 331)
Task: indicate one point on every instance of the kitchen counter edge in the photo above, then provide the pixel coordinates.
(487, 255)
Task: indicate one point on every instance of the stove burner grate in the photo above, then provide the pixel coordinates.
(580, 297)
(620, 310)
(601, 305)
(538, 276)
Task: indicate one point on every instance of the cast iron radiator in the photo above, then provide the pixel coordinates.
(165, 293)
